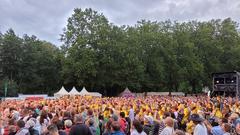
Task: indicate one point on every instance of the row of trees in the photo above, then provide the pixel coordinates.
(28, 65)
(149, 56)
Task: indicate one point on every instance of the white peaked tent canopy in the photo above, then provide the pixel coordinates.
(74, 91)
(61, 92)
(84, 92)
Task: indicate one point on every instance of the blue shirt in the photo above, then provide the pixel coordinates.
(117, 133)
(217, 130)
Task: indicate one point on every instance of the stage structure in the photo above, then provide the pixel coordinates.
(226, 84)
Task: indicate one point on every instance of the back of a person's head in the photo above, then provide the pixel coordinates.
(115, 126)
(30, 124)
(179, 132)
(68, 123)
(91, 122)
(109, 123)
(78, 119)
(21, 124)
(114, 117)
(169, 122)
(227, 127)
(224, 120)
(25, 111)
(166, 114)
(122, 114)
(59, 125)
(138, 126)
(66, 114)
(11, 122)
(100, 117)
(90, 112)
(52, 129)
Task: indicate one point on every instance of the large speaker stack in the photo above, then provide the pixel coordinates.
(226, 83)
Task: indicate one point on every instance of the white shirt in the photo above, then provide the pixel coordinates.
(134, 132)
(131, 114)
(200, 129)
(167, 131)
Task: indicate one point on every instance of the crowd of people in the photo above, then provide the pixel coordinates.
(153, 115)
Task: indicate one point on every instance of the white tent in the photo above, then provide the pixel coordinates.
(74, 91)
(96, 94)
(61, 92)
(84, 92)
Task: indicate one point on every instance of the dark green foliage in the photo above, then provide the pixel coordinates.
(150, 56)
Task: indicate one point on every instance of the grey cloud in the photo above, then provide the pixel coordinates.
(47, 18)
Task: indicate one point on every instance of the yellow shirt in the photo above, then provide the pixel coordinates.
(218, 113)
(186, 115)
(190, 127)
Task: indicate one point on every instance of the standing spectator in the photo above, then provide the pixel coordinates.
(200, 128)
(179, 132)
(169, 129)
(91, 126)
(21, 128)
(148, 126)
(31, 127)
(25, 115)
(137, 128)
(115, 127)
(60, 127)
(123, 122)
(131, 113)
(43, 121)
(226, 128)
(52, 130)
(79, 127)
(108, 130)
(68, 125)
(162, 123)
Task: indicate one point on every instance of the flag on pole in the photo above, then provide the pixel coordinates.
(5, 89)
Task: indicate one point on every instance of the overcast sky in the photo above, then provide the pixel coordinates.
(47, 18)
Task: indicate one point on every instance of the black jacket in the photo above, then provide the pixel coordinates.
(80, 129)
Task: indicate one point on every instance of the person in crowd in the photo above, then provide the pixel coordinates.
(68, 125)
(162, 123)
(234, 119)
(148, 124)
(10, 128)
(43, 121)
(21, 128)
(79, 127)
(30, 125)
(131, 113)
(169, 129)
(91, 126)
(101, 123)
(25, 115)
(216, 130)
(200, 128)
(137, 128)
(226, 128)
(123, 122)
(60, 127)
(179, 132)
(116, 128)
(52, 130)
(108, 129)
